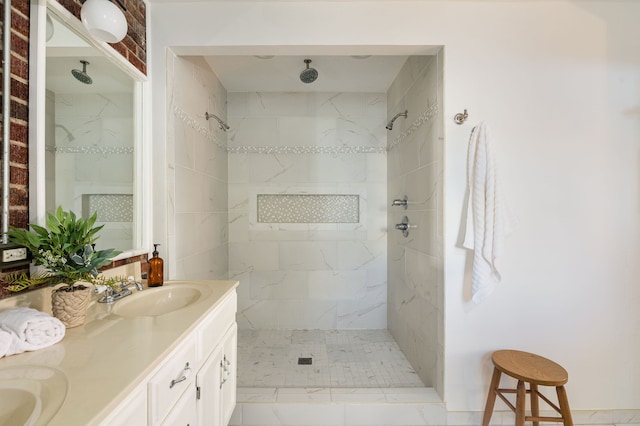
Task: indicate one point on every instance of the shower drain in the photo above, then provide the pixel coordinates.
(304, 361)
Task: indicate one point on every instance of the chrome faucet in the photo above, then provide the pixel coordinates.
(111, 296)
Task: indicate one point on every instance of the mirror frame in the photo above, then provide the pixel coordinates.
(37, 99)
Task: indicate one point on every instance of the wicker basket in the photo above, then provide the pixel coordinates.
(69, 304)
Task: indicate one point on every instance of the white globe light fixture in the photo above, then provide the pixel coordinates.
(104, 20)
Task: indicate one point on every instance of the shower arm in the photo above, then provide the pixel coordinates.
(221, 124)
(404, 114)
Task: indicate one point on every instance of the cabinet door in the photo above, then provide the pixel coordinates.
(209, 381)
(229, 358)
(184, 413)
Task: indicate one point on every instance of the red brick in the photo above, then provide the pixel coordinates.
(18, 197)
(19, 154)
(19, 217)
(19, 111)
(19, 133)
(19, 176)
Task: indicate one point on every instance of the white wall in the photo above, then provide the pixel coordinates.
(308, 275)
(558, 82)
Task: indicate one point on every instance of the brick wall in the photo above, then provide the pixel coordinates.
(133, 48)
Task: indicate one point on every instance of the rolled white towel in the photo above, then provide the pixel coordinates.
(34, 329)
(9, 343)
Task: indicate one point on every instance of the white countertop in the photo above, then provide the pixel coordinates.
(105, 359)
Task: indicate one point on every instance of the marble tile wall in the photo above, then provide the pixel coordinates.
(197, 172)
(415, 301)
(308, 275)
(90, 147)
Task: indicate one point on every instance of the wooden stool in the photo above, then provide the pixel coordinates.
(535, 370)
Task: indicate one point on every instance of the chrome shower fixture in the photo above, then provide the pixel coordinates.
(223, 126)
(308, 75)
(82, 76)
(401, 202)
(404, 114)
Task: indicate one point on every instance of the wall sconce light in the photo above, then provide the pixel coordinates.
(104, 20)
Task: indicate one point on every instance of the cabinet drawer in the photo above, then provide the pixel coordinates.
(166, 386)
(215, 325)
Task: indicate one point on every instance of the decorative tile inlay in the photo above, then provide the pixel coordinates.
(308, 208)
(332, 150)
(423, 118)
(110, 207)
(93, 149)
(193, 123)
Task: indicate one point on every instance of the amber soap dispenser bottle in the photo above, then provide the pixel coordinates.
(155, 277)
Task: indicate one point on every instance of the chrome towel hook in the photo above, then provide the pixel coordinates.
(460, 118)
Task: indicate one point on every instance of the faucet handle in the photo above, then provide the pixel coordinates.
(132, 280)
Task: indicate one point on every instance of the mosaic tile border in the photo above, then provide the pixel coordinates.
(191, 122)
(427, 115)
(308, 208)
(93, 149)
(332, 150)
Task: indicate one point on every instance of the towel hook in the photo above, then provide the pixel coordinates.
(460, 118)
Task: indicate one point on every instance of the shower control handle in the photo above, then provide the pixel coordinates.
(403, 226)
(401, 202)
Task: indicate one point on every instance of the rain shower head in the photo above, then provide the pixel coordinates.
(82, 76)
(308, 75)
(389, 125)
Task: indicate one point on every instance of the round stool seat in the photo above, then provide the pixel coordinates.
(530, 368)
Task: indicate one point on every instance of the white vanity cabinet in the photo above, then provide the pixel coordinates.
(195, 384)
(216, 382)
(206, 386)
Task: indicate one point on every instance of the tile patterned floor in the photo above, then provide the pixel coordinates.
(341, 359)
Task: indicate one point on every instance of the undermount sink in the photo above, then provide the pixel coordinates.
(157, 301)
(31, 395)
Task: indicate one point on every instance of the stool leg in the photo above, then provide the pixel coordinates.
(521, 402)
(564, 406)
(491, 398)
(535, 408)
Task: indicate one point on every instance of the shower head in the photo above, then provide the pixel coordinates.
(404, 114)
(221, 124)
(82, 76)
(308, 75)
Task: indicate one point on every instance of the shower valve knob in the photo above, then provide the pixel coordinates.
(404, 226)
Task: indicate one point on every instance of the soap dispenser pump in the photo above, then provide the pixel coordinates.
(156, 269)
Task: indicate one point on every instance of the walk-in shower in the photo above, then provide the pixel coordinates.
(330, 294)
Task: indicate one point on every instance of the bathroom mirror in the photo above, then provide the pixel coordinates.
(90, 141)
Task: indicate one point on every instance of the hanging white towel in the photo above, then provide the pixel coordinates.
(487, 221)
(34, 329)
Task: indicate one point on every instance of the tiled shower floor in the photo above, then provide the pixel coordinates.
(340, 359)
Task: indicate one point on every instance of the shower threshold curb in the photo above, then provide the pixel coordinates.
(338, 406)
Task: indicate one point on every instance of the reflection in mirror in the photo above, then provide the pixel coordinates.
(89, 136)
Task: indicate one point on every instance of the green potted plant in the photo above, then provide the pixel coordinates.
(64, 247)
